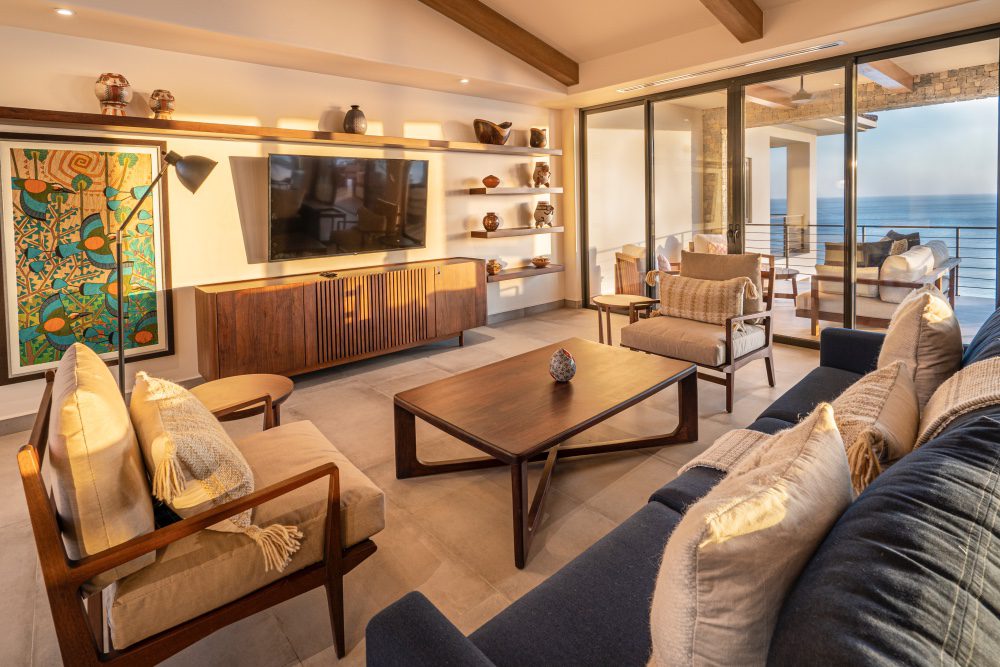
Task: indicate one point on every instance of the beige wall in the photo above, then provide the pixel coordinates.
(215, 236)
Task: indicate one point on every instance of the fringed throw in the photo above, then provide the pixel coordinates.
(727, 451)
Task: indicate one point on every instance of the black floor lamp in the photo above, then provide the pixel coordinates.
(191, 172)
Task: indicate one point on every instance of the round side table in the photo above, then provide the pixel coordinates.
(630, 303)
(791, 275)
(242, 396)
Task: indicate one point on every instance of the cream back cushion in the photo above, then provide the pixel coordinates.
(724, 267)
(711, 301)
(735, 554)
(836, 283)
(98, 478)
(940, 251)
(908, 267)
(924, 334)
(710, 243)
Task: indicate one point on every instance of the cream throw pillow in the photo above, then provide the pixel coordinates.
(878, 417)
(98, 481)
(924, 334)
(712, 301)
(196, 466)
(731, 560)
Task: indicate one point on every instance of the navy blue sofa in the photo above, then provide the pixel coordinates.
(910, 574)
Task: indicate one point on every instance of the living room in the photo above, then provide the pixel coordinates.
(662, 336)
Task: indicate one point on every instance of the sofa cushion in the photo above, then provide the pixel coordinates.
(989, 332)
(98, 480)
(909, 267)
(769, 425)
(941, 252)
(821, 384)
(707, 266)
(738, 550)
(912, 239)
(685, 489)
(924, 334)
(206, 570)
(910, 574)
(835, 284)
(595, 607)
(712, 244)
(697, 342)
(834, 304)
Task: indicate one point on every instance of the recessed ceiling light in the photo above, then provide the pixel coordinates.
(62, 11)
(463, 81)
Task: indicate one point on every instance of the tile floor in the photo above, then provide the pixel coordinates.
(448, 536)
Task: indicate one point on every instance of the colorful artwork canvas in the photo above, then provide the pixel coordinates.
(62, 205)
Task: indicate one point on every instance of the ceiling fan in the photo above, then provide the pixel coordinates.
(803, 96)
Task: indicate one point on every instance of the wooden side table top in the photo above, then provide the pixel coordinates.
(225, 392)
(621, 300)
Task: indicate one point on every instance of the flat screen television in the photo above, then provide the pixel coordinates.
(323, 206)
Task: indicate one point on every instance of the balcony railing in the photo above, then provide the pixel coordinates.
(800, 246)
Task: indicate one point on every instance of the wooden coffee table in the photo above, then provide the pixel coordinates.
(515, 412)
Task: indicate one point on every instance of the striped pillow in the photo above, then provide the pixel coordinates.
(711, 301)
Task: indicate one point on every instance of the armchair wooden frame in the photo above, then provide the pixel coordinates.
(936, 278)
(80, 635)
(732, 362)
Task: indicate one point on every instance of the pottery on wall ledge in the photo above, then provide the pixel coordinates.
(493, 267)
(161, 103)
(488, 132)
(542, 174)
(355, 121)
(492, 222)
(562, 365)
(114, 92)
(544, 213)
(541, 261)
(491, 181)
(538, 137)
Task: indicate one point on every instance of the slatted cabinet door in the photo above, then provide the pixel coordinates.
(368, 313)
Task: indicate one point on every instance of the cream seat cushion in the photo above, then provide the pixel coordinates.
(924, 334)
(688, 340)
(836, 285)
(834, 303)
(735, 554)
(909, 267)
(98, 479)
(209, 569)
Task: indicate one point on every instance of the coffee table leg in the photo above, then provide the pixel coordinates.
(519, 496)
(406, 442)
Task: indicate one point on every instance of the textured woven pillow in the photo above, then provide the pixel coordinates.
(195, 465)
(925, 334)
(712, 301)
(736, 553)
(878, 418)
(974, 387)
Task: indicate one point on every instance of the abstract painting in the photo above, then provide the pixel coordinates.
(62, 203)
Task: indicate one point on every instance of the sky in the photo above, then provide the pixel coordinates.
(937, 149)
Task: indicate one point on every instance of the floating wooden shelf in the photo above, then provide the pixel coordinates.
(183, 128)
(524, 272)
(516, 231)
(515, 191)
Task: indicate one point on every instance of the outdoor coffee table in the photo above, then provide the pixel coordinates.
(515, 412)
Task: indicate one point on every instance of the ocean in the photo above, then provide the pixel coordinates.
(966, 223)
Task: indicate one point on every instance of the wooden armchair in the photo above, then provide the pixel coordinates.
(742, 339)
(68, 582)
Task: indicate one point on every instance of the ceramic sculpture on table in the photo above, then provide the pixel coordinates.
(562, 365)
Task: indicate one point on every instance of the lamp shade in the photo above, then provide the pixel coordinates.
(193, 170)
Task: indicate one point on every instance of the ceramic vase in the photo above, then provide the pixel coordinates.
(492, 222)
(544, 212)
(540, 177)
(538, 137)
(493, 267)
(114, 93)
(562, 366)
(161, 102)
(491, 181)
(488, 132)
(355, 121)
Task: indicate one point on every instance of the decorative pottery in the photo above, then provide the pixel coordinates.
(492, 222)
(355, 121)
(544, 213)
(161, 102)
(488, 132)
(114, 92)
(541, 261)
(562, 365)
(493, 267)
(538, 137)
(491, 181)
(540, 177)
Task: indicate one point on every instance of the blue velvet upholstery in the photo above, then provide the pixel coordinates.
(595, 610)
(682, 491)
(821, 384)
(850, 350)
(910, 574)
(989, 332)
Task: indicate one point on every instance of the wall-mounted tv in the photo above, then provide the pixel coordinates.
(322, 206)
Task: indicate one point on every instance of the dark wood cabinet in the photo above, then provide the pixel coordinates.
(296, 324)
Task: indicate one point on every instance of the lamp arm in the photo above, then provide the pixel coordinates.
(120, 296)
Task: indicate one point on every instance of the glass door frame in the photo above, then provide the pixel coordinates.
(736, 186)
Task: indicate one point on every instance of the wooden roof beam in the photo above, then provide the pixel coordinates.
(512, 38)
(743, 18)
(888, 74)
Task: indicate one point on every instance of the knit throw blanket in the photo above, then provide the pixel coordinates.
(974, 387)
(727, 451)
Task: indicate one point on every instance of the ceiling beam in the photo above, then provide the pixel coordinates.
(769, 96)
(512, 38)
(888, 74)
(743, 18)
